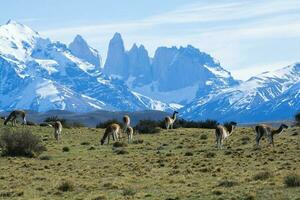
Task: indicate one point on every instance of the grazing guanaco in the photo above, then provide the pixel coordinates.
(223, 133)
(169, 121)
(57, 130)
(111, 130)
(129, 132)
(14, 115)
(265, 130)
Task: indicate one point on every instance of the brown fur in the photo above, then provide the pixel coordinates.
(129, 133)
(266, 130)
(112, 129)
(57, 130)
(126, 123)
(222, 133)
(169, 121)
(14, 115)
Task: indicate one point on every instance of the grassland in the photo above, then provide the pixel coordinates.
(179, 164)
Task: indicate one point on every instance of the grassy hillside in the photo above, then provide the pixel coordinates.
(179, 164)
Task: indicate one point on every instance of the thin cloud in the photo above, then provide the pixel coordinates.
(218, 27)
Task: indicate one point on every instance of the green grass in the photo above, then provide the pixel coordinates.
(179, 164)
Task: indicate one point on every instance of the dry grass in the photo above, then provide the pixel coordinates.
(179, 164)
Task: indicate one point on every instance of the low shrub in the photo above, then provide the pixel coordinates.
(56, 118)
(107, 123)
(203, 137)
(76, 124)
(139, 141)
(65, 149)
(101, 197)
(210, 154)
(129, 192)
(85, 143)
(120, 144)
(188, 153)
(20, 143)
(147, 127)
(262, 175)
(209, 124)
(120, 151)
(65, 186)
(245, 140)
(45, 157)
(292, 180)
(30, 123)
(227, 183)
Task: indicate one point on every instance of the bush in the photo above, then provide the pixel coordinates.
(203, 137)
(227, 183)
(297, 119)
(188, 153)
(45, 124)
(66, 186)
(129, 192)
(107, 123)
(55, 118)
(76, 124)
(45, 157)
(121, 151)
(120, 144)
(209, 123)
(30, 123)
(292, 180)
(65, 149)
(20, 143)
(210, 154)
(262, 175)
(148, 126)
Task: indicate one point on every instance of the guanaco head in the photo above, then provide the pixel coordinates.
(102, 141)
(284, 126)
(5, 120)
(230, 126)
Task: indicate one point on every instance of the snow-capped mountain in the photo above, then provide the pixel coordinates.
(39, 74)
(171, 73)
(80, 48)
(268, 96)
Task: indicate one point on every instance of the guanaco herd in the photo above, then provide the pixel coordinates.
(114, 130)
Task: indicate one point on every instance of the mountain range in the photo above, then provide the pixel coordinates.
(39, 74)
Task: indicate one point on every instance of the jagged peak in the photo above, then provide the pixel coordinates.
(10, 21)
(79, 40)
(142, 47)
(79, 37)
(14, 27)
(117, 36)
(134, 47)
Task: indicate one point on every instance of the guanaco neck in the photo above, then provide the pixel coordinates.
(174, 116)
(277, 131)
(230, 130)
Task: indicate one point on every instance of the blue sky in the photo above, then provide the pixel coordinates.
(248, 36)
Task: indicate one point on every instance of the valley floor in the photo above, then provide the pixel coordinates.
(179, 164)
